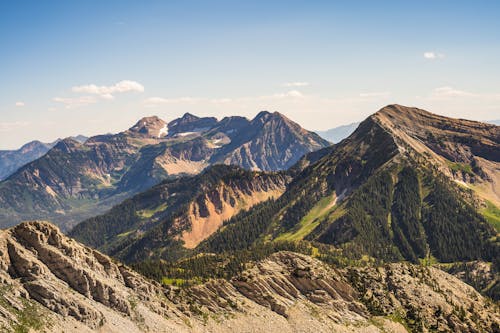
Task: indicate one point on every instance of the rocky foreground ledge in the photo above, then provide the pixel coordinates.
(51, 283)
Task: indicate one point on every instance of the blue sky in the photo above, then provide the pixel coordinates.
(88, 67)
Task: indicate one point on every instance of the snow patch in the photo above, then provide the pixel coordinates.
(186, 133)
(163, 131)
(217, 143)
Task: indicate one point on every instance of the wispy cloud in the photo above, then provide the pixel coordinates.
(20, 104)
(296, 84)
(378, 94)
(291, 93)
(450, 92)
(107, 92)
(12, 126)
(431, 55)
(71, 103)
(156, 101)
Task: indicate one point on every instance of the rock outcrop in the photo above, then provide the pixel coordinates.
(38, 263)
(426, 297)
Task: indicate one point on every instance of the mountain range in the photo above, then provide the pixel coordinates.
(76, 180)
(393, 229)
(404, 186)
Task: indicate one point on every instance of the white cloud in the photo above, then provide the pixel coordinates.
(449, 92)
(71, 103)
(296, 84)
(106, 92)
(433, 55)
(375, 94)
(20, 104)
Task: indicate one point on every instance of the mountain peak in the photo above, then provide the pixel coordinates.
(190, 123)
(400, 111)
(149, 126)
(412, 119)
(265, 116)
(189, 117)
(262, 116)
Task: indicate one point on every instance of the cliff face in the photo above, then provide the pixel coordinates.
(209, 210)
(50, 282)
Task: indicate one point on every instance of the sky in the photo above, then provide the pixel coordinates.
(93, 67)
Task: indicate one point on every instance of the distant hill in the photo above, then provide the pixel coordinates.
(337, 134)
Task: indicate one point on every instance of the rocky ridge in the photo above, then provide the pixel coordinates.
(71, 287)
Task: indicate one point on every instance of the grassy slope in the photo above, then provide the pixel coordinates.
(309, 222)
(492, 214)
